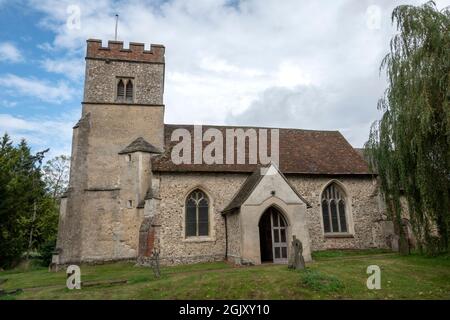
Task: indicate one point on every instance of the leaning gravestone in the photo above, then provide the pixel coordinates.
(296, 260)
(154, 262)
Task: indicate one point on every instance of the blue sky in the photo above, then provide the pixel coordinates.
(290, 63)
(37, 103)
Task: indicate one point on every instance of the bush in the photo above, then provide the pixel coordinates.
(46, 252)
(319, 281)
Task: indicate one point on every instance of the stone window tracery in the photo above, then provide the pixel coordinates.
(334, 213)
(197, 214)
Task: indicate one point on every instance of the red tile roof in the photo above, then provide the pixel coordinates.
(301, 151)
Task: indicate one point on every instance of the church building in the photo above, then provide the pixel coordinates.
(131, 196)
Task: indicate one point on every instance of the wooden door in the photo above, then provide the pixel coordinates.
(279, 237)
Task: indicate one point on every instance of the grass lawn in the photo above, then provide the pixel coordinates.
(332, 275)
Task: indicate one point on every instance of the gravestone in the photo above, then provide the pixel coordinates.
(155, 262)
(296, 260)
(54, 265)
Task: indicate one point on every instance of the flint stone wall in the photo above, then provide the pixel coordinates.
(102, 78)
(174, 188)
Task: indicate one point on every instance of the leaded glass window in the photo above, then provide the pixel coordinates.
(197, 214)
(334, 210)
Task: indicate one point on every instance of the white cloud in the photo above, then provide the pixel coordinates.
(221, 66)
(10, 53)
(291, 75)
(46, 47)
(70, 68)
(50, 92)
(41, 132)
(7, 103)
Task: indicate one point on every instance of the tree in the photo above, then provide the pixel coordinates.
(56, 178)
(27, 211)
(56, 175)
(410, 146)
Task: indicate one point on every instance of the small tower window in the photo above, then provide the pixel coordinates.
(129, 91)
(125, 90)
(120, 90)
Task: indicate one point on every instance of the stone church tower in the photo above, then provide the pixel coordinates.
(121, 128)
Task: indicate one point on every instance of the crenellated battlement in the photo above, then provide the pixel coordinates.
(116, 51)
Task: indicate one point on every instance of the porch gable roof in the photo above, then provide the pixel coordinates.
(250, 184)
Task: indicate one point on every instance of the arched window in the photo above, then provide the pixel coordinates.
(129, 91)
(125, 89)
(334, 209)
(197, 214)
(120, 90)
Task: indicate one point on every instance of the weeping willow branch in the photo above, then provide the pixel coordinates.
(409, 147)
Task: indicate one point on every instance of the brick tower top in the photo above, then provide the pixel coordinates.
(116, 51)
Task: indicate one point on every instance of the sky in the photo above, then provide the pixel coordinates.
(291, 63)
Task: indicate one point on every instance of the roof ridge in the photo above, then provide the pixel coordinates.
(245, 126)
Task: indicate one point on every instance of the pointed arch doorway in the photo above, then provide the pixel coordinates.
(273, 236)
